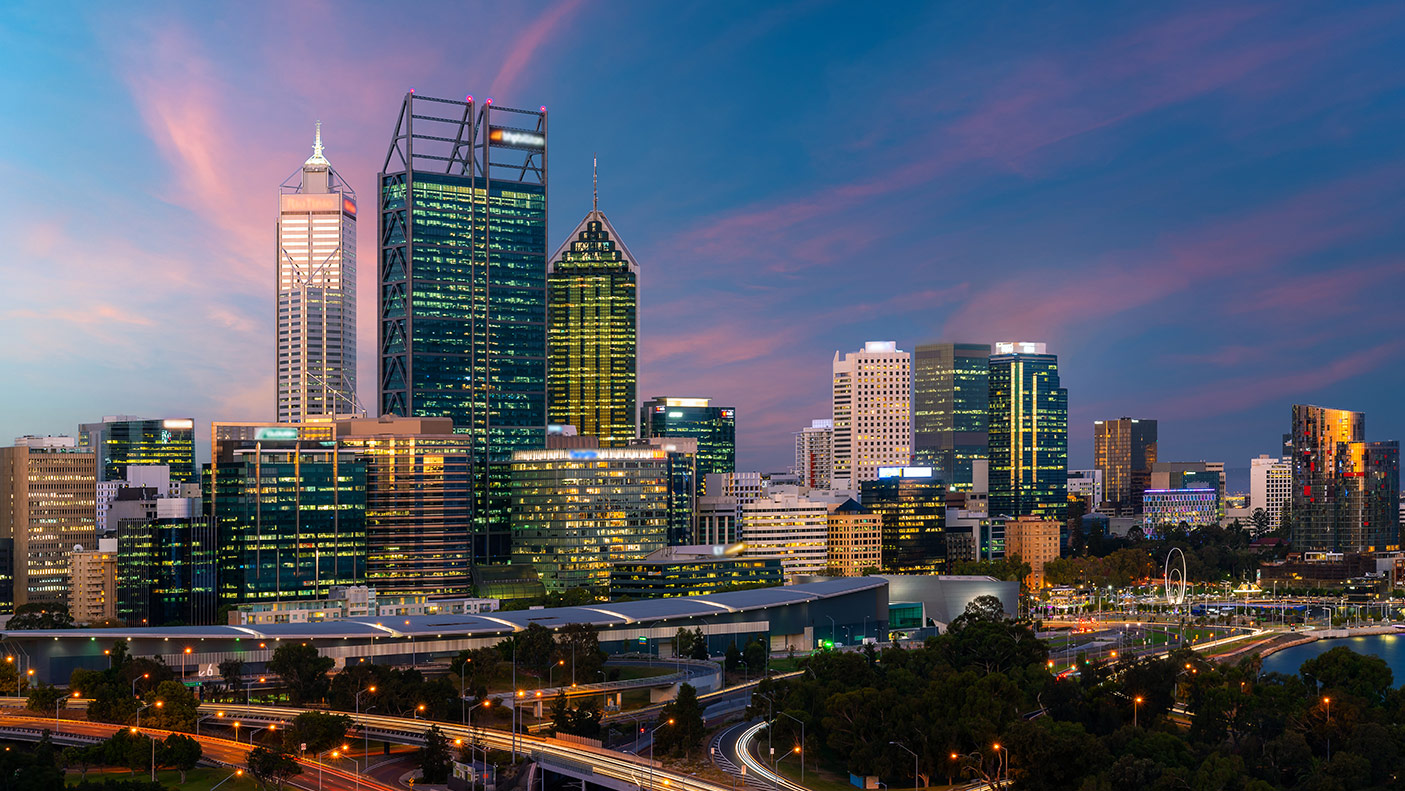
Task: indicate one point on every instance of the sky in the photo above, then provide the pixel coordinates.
(1200, 207)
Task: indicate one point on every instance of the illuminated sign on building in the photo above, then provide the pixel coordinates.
(687, 401)
(348, 205)
(904, 472)
(269, 432)
(516, 138)
(178, 423)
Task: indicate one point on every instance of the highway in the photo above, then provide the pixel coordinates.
(222, 752)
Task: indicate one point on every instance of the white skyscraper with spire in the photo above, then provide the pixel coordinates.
(316, 291)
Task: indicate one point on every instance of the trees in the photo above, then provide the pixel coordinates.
(534, 648)
(179, 752)
(232, 674)
(303, 670)
(178, 710)
(44, 698)
(699, 645)
(40, 616)
(581, 720)
(434, 757)
(755, 655)
(732, 658)
(271, 769)
(684, 736)
(317, 730)
(475, 669)
(1343, 670)
(578, 645)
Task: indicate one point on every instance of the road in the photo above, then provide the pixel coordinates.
(219, 751)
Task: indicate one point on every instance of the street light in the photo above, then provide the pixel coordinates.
(184, 656)
(237, 773)
(950, 767)
(158, 704)
(915, 778)
(58, 705)
(134, 683)
(1137, 701)
(1002, 762)
(1327, 706)
(365, 740)
(802, 742)
(651, 752)
(216, 715)
(551, 673)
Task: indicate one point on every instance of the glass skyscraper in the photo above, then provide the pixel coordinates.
(950, 409)
(462, 264)
(591, 327)
(1125, 450)
(1345, 490)
(912, 504)
(122, 441)
(1028, 433)
(714, 427)
(166, 560)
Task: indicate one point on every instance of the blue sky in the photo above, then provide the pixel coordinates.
(1198, 206)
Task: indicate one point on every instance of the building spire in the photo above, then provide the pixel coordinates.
(595, 182)
(317, 143)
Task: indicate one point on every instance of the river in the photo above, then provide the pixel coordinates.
(1390, 647)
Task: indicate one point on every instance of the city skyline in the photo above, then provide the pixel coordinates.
(1163, 288)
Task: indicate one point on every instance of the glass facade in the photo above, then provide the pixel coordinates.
(419, 493)
(1345, 490)
(662, 579)
(715, 429)
(1195, 507)
(290, 522)
(913, 510)
(1125, 450)
(950, 409)
(166, 569)
(591, 326)
(1028, 433)
(463, 298)
(123, 443)
(577, 513)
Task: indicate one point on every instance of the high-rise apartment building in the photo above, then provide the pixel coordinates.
(912, 504)
(289, 509)
(48, 490)
(855, 541)
(814, 454)
(1270, 487)
(1124, 450)
(1036, 541)
(872, 405)
(1028, 433)
(315, 297)
(419, 495)
(122, 441)
(1342, 497)
(93, 581)
(714, 427)
(462, 258)
(592, 322)
(576, 513)
(950, 409)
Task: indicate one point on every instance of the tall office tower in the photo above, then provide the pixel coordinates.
(1270, 487)
(316, 292)
(166, 567)
(872, 412)
(419, 489)
(814, 454)
(790, 527)
(462, 256)
(592, 319)
(714, 427)
(912, 504)
(682, 485)
(1340, 483)
(575, 513)
(48, 490)
(289, 509)
(1028, 433)
(1124, 449)
(950, 409)
(123, 441)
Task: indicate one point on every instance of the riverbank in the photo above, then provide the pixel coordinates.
(1285, 641)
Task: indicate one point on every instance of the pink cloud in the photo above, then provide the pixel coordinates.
(523, 53)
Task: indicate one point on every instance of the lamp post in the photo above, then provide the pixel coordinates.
(551, 673)
(134, 683)
(1002, 762)
(270, 727)
(775, 766)
(365, 742)
(915, 778)
(832, 628)
(1327, 706)
(949, 769)
(158, 704)
(237, 773)
(248, 691)
(185, 655)
(58, 705)
(463, 690)
(651, 752)
(153, 753)
(1137, 701)
(802, 744)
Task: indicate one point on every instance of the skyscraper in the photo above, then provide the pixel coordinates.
(1270, 487)
(872, 404)
(462, 269)
(1343, 486)
(316, 292)
(1124, 449)
(714, 427)
(950, 409)
(912, 504)
(592, 318)
(1028, 433)
(123, 441)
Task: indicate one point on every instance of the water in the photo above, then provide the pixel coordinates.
(1390, 647)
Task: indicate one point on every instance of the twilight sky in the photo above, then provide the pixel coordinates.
(1199, 206)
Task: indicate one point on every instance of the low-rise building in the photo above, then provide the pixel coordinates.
(855, 541)
(354, 601)
(692, 571)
